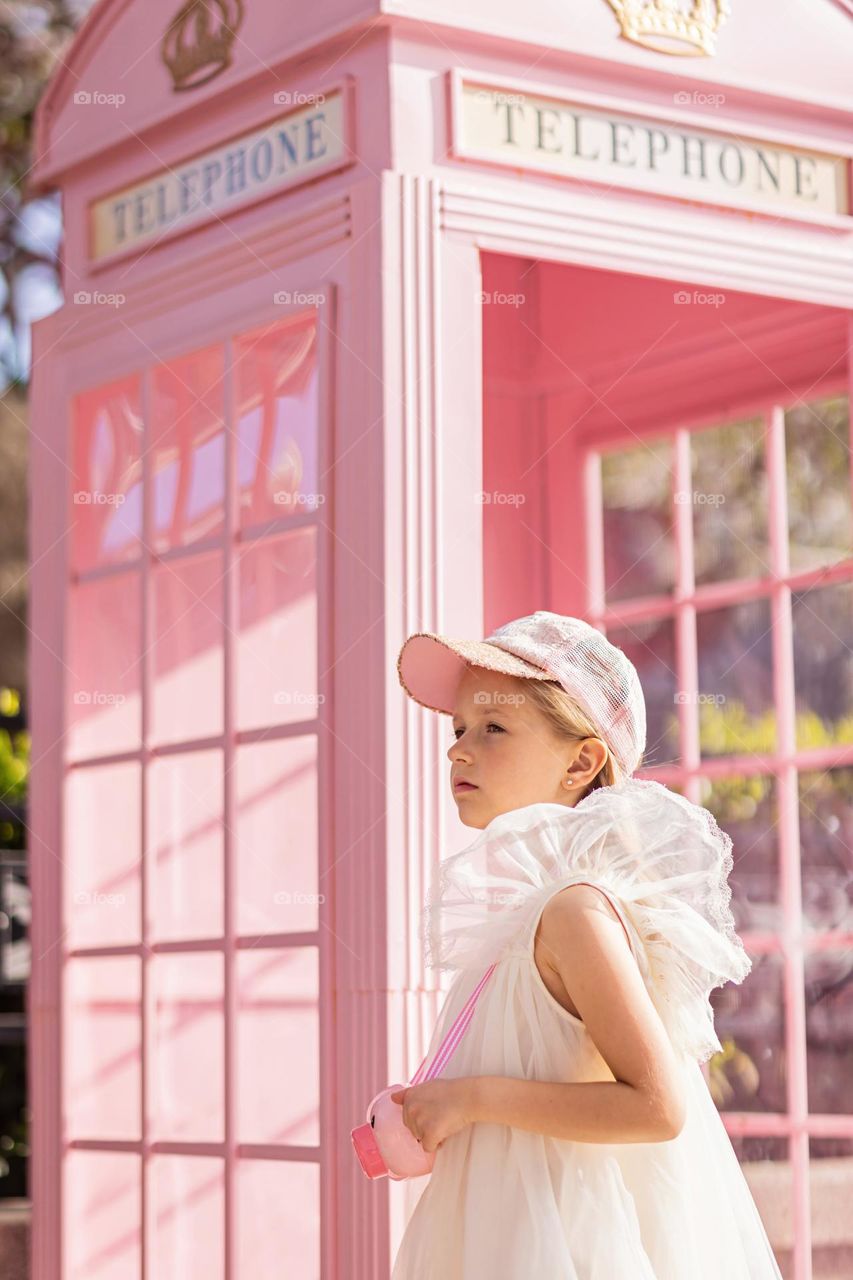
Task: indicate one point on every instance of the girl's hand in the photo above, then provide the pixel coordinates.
(432, 1111)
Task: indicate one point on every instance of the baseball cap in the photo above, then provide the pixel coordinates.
(542, 646)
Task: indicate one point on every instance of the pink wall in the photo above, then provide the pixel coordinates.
(233, 846)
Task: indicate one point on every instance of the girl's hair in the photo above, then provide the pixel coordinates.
(569, 720)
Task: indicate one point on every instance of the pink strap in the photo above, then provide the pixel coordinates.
(454, 1035)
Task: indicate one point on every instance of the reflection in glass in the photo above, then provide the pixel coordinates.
(745, 808)
(278, 1224)
(817, 449)
(639, 552)
(651, 647)
(277, 630)
(822, 620)
(749, 1073)
(729, 501)
(766, 1164)
(186, 1209)
(106, 512)
(102, 1189)
(186, 1047)
(831, 1193)
(736, 715)
(103, 668)
(826, 841)
(185, 846)
(829, 1031)
(187, 449)
(279, 1045)
(102, 873)
(187, 648)
(278, 436)
(101, 1047)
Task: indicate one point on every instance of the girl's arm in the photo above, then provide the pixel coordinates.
(587, 947)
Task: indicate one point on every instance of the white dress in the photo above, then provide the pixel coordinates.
(507, 1204)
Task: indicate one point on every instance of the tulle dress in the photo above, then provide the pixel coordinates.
(506, 1204)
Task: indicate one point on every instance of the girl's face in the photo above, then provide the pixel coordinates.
(505, 746)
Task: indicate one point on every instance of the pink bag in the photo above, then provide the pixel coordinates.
(384, 1145)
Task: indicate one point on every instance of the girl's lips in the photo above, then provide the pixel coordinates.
(464, 786)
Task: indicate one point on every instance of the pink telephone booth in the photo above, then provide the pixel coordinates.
(417, 317)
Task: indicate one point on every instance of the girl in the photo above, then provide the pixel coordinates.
(574, 1134)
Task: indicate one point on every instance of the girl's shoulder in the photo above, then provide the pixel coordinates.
(662, 861)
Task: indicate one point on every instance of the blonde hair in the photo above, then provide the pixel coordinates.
(569, 720)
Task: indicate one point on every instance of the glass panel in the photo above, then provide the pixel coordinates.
(187, 1048)
(102, 1216)
(829, 1031)
(187, 1239)
(823, 664)
(279, 1046)
(106, 501)
(187, 449)
(831, 1191)
(187, 694)
(103, 667)
(275, 847)
(766, 1166)
(651, 647)
(277, 641)
(746, 807)
(736, 714)
(276, 378)
(101, 1030)
(101, 884)
(729, 501)
(749, 1073)
(826, 839)
(639, 549)
(817, 447)
(278, 1224)
(185, 846)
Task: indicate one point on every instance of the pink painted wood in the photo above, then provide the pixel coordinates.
(232, 837)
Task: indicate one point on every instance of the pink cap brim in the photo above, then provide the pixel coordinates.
(431, 666)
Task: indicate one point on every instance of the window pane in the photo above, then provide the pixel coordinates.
(729, 501)
(187, 1048)
(275, 846)
(101, 1029)
(651, 647)
(746, 808)
(829, 1031)
(103, 666)
(278, 1225)
(101, 884)
(823, 664)
(749, 1073)
(766, 1166)
(639, 553)
(102, 1218)
(278, 436)
(188, 631)
(817, 446)
(279, 1045)
(831, 1189)
(185, 846)
(277, 641)
(187, 1211)
(106, 512)
(736, 714)
(826, 841)
(187, 449)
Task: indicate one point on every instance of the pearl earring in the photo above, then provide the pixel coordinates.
(568, 782)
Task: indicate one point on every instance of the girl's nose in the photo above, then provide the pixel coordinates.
(456, 751)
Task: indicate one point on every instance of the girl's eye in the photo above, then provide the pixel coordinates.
(490, 725)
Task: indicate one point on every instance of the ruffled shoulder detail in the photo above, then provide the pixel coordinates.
(663, 859)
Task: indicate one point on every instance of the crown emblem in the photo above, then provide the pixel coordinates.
(198, 40)
(686, 27)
